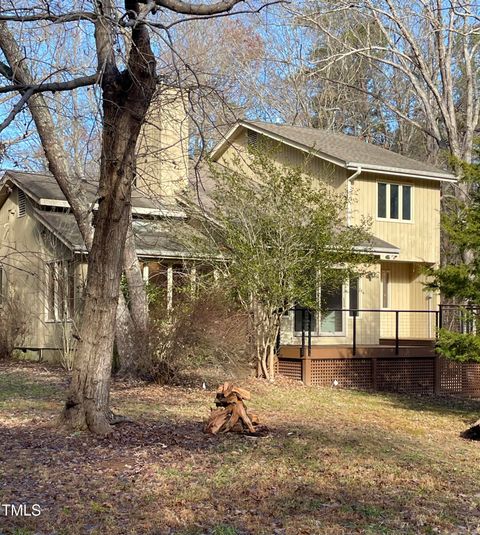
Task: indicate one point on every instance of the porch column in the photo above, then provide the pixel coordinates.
(146, 272)
(306, 370)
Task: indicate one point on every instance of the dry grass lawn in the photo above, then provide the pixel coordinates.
(334, 462)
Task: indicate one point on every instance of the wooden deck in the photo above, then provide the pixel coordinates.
(407, 348)
(415, 369)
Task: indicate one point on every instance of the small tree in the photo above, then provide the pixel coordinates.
(461, 282)
(283, 235)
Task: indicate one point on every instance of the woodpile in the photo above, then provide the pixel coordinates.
(231, 413)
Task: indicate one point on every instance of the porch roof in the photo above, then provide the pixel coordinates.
(378, 246)
(155, 239)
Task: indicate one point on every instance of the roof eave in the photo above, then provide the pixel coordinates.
(407, 173)
(377, 251)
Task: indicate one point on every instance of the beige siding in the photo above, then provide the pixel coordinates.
(418, 240)
(407, 293)
(25, 248)
(237, 156)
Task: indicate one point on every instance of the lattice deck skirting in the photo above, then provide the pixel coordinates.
(413, 375)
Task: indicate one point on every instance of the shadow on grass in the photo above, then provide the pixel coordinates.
(348, 479)
(333, 472)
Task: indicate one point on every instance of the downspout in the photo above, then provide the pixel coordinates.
(350, 180)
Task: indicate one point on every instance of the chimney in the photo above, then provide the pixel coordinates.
(162, 155)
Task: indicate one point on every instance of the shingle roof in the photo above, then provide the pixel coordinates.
(153, 238)
(349, 151)
(44, 189)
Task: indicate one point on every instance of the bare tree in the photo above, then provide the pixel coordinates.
(427, 47)
(125, 71)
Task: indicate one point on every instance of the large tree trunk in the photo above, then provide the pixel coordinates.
(88, 401)
(126, 98)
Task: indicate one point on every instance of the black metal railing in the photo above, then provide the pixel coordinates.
(368, 326)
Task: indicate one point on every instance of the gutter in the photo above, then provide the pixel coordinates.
(408, 173)
(350, 180)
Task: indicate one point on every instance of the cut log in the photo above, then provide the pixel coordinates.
(231, 413)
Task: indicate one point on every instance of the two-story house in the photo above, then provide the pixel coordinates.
(389, 314)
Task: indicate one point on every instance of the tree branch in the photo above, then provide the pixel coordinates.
(217, 15)
(63, 17)
(16, 109)
(49, 86)
(187, 8)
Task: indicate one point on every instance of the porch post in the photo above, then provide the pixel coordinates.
(397, 341)
(306, 371)
(354, 346)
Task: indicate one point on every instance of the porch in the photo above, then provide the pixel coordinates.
(400, 363)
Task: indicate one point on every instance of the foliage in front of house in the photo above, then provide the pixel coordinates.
(459, 280)
(13, 324)
(283, 235)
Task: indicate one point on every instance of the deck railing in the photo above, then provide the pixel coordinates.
(401, 327)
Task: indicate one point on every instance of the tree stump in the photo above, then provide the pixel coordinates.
(231, 413)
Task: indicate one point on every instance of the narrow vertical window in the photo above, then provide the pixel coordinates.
(70, 289)
(51, 284)
(382, 200)
(60, 290)
(394, 194)
(406, 202)
(385, 289)
(353, 295)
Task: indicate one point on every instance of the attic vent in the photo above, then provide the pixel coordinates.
(252, 138)
(22, 203)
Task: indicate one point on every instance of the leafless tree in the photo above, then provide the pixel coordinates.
(425, 52)
(117, 40)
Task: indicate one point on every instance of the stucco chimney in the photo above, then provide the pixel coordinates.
(162, 157)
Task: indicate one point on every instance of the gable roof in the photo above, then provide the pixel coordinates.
(44, 190)
(346, 151)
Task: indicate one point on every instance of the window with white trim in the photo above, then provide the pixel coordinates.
(354, 300)
(60, 294)
(394, 201)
